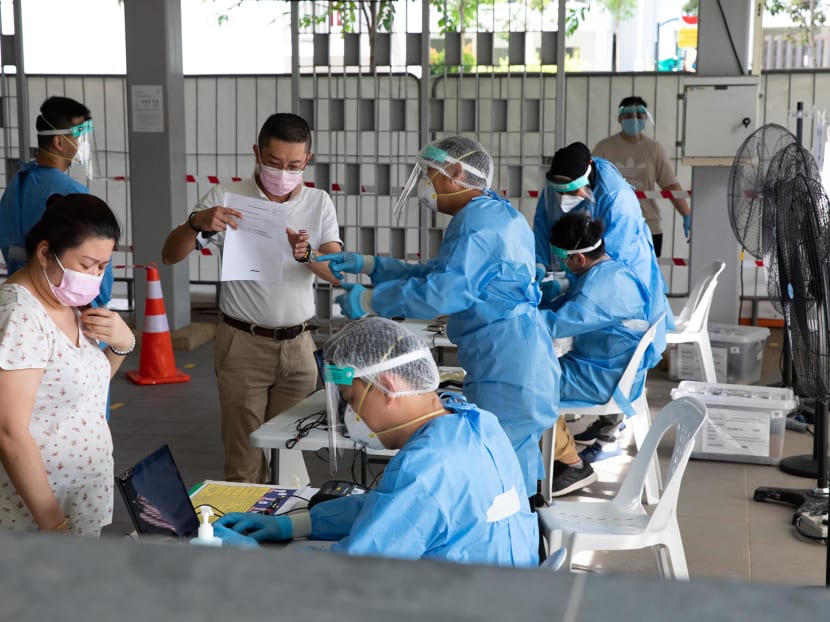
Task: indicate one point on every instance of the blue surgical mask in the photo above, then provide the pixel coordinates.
(633, 127)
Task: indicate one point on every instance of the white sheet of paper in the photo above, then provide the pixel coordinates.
(258, 249)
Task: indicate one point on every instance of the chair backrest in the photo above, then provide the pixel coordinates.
(626, 382)
(686, 415)
(694, 316)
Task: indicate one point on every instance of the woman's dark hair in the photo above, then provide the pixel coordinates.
(578, 230)
(69, 221)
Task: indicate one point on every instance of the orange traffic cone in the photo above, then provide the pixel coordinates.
(156, 365)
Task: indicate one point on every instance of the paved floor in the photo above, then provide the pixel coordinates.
(726, 534)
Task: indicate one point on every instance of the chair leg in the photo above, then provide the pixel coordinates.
(705, 348)
(641, 422)
(548, 444)
(671, 557)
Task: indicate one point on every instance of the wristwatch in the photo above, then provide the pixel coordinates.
(309, 256)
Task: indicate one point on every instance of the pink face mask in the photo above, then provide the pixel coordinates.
(278, 182)
(76, 289)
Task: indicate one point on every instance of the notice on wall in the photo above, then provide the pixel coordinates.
(148, 108)
(736, 432)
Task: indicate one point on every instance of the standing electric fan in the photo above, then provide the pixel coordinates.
(803, 274)
(779, 212)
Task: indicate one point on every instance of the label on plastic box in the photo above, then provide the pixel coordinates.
(687, 364)
(736, 432)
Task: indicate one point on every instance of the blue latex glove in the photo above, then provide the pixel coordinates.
(550, 289)
(540, 272)
(343, 262)
(350, 302)
(259, 527)
(687, 225)
(230, 538)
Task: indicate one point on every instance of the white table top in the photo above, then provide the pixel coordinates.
(273, 434)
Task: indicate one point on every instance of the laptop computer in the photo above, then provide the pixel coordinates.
(156, 497)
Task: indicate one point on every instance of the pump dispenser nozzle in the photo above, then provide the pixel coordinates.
(205, 536)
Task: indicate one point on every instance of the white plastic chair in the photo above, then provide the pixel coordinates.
(640, 421)
(691, 326)
(623, 523)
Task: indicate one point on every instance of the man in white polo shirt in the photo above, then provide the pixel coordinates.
(264, 351)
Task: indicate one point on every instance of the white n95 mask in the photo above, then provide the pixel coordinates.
(569, 202)
(358, 431)
(427, 197)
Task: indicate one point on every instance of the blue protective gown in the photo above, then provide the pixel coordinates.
(436, 499)
(606, 311)
(22, 205)
(626, 236)
(483, 278)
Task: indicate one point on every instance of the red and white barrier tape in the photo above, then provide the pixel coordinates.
(641, 194)
(682, 261)
(367, 189)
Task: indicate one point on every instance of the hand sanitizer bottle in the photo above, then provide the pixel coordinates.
(205, 536)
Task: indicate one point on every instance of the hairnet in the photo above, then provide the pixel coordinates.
(375, 345)
(476, 163)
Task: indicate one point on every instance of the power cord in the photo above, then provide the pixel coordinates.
(305, 425)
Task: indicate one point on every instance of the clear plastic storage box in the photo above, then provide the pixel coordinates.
(745, 423)
(738, 352)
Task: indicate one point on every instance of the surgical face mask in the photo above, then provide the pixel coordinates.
(277, 181)
(633, 127)
(427, 197)
(358, 431)
(76, 289)
(569, 202)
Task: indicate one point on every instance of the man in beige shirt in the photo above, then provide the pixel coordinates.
(643, 162)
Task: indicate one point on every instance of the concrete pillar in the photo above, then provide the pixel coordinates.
(723, 50)
(155, 95)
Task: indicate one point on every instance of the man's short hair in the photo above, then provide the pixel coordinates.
(58, 113)
(633, 100)
(286, 127)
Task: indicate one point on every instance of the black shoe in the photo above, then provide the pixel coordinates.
(592, 434)
(571, 479)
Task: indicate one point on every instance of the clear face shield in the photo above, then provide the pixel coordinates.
(430, 161)
(634, 119)
(86, 156)
(346, 428)
(572, 194)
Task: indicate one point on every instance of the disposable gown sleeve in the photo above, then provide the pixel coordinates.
(450, 283)
(401, 523)
(541, 231)
(333, 519)
(577, 317)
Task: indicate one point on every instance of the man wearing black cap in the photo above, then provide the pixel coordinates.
(576, 181)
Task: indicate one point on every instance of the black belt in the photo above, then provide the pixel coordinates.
(279, 333)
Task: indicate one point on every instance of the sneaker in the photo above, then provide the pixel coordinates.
(591, 435)
(600, 451)
(571, 479)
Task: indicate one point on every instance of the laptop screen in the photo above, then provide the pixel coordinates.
(156, 497)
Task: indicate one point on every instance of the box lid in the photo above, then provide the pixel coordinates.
(724, 333)
(745, 395)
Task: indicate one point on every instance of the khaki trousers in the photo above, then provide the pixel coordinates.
(258, 378)
(564, 447)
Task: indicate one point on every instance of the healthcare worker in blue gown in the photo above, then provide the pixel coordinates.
(606, 311)
(454, 491)
(64, 127)
(483, 277)
(578, 182)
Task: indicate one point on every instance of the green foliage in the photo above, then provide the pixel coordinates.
(458, 15)
(377, 15)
